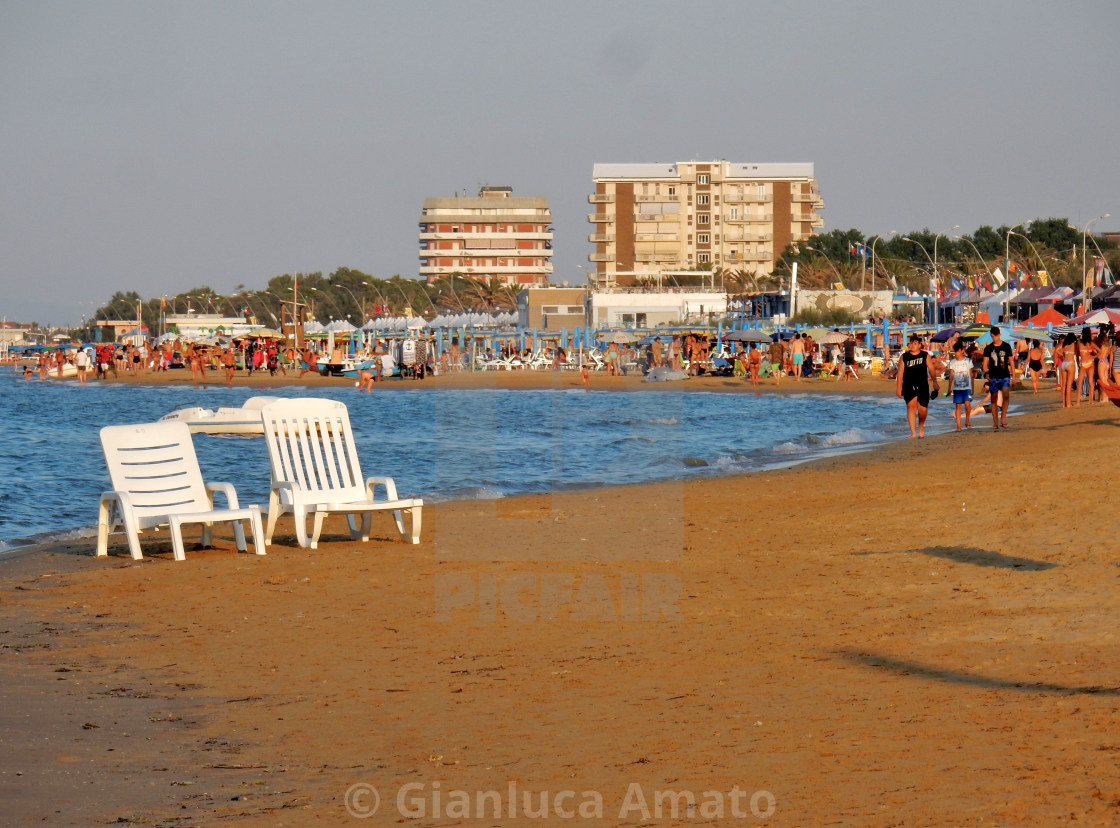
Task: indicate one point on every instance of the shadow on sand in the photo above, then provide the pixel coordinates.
(913, 668)
(976, 557)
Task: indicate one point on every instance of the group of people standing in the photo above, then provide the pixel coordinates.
(1086, 365)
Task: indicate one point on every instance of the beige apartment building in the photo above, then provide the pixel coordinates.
(494, 236)
(651, 218)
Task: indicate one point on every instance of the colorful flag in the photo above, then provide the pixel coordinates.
(955, 282)
(997, 274)
(1098, 271)
(1044, 277)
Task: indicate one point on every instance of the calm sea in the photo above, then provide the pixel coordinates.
(446, 444)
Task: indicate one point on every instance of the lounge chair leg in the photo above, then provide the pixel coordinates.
(317, 528)
(103, 528)
(414, 525)
(258, 532)
(273, 516)
(239, 536)
(176, 528)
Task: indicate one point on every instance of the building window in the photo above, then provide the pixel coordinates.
(703, 238)
(702, 198)
(550, 309)
(703, 178)
(672, 191)
(733, 213)
(704, 258)
(703, 218)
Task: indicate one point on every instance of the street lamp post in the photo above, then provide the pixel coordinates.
(361, 305)
(1086, 282)
(935, 238)
(1007, 272)
(933, 277)
(877, 240)
(839, 278)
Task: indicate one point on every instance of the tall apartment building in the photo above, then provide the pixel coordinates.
(652, 218)
(495, 236)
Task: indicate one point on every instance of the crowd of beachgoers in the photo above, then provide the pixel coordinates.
(1082, 366)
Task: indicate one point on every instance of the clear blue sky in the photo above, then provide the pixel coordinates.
(160, 146)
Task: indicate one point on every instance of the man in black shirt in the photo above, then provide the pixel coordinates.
(999, 362)
(915, 370)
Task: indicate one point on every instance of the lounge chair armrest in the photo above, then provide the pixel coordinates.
(227, 490)
(390, 487)
(118, 507)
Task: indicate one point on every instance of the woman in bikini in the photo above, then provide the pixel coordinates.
(1065, 358)
(1034, 363)
(1105, 356)
(1087, 358)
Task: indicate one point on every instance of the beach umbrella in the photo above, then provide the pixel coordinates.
(622, 337)
(945, 335)
(747, 335)
(1005, 332)
(832, 338)
(1097, 317)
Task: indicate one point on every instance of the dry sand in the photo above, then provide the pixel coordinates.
(925, 634)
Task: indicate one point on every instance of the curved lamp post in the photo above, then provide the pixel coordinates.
(1007, 268)
(1086, 282)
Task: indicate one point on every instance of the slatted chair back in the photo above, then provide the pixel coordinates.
(311, 445)
(156, 465)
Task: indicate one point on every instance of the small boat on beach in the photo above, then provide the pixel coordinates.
(244, 420)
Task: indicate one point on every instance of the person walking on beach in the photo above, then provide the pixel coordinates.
(776, 361)
(849, 359)
(229, 362)
(999, 362)
(960, 377)
(797, 355)
(1065, 360)
(754, 362)
(1034, 363)
(81, 362)
(914, 375)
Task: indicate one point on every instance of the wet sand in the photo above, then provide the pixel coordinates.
(923, 634)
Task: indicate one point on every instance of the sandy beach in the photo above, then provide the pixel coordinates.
(922, 634)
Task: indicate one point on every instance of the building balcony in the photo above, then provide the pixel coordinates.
(656, 237)
(600, 217)
(748, 237)
(658, 198)
(485, 270)
(601, 237)
(601, 198)
(657, 257)
(765, 198)
(601, 257)
(493, 235)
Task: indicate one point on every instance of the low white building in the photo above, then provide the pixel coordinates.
(197, 325)
(636, 308)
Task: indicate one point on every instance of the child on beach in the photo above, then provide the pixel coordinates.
(960, 370)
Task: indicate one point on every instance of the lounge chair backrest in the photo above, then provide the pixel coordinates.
(311, 445)
(156, 465)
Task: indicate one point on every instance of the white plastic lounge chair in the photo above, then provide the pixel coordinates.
(157, 482)
(315, 473)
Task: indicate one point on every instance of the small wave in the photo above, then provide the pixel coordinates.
(635, 421)
(850, 437)
(789, 448)
(465, 493)
(632, 438)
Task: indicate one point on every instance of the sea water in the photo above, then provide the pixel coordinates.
(438, 444)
